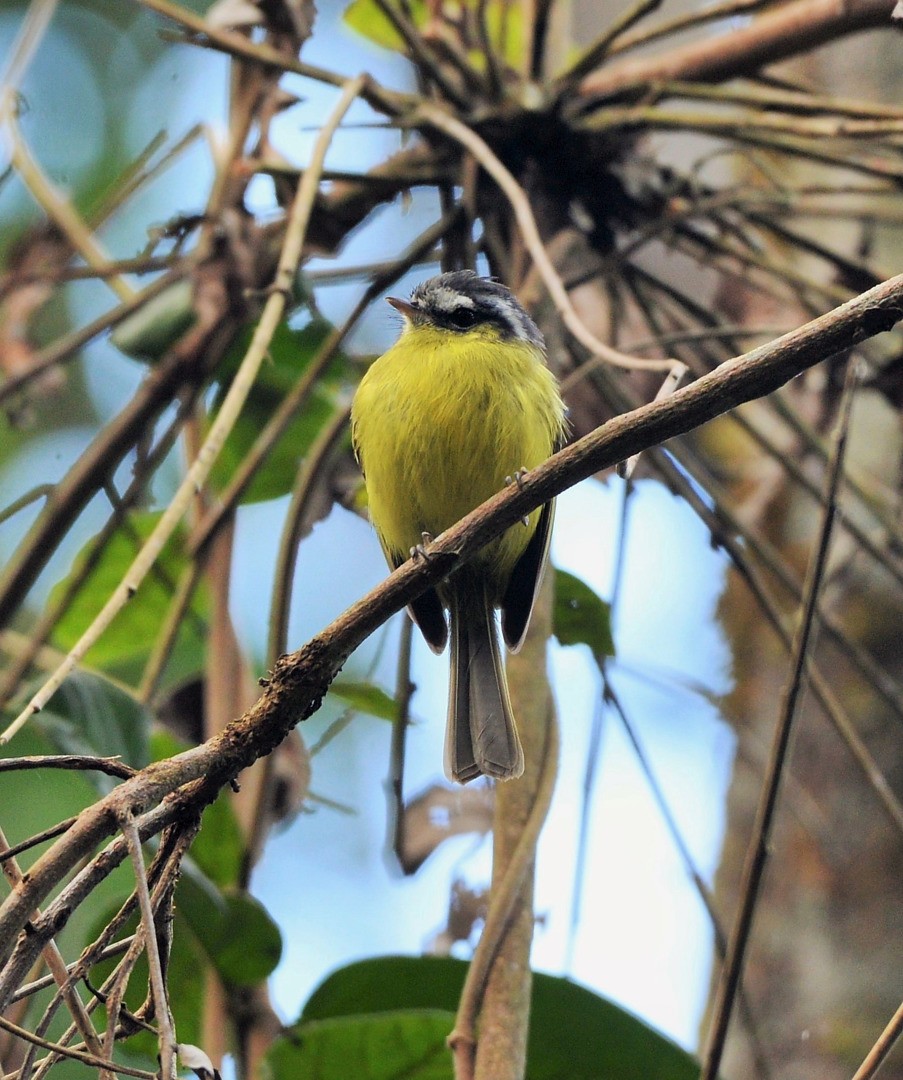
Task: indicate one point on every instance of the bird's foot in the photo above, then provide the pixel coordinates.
(422, 550)
(518, 479)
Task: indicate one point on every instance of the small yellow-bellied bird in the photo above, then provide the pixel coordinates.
(441, 422)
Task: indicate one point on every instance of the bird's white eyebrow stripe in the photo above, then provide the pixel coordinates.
(449, 300)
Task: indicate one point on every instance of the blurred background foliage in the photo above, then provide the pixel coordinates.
(690, 217)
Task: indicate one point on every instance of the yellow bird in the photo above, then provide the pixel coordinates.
(441, 422)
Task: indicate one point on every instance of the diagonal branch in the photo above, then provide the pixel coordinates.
(787, 31)
(299, 681)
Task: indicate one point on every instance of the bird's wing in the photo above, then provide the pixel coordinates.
(426, 611)
(520, 595)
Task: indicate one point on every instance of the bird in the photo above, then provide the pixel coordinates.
(460, 406)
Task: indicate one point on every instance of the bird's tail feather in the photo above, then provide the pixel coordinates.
(481, 736)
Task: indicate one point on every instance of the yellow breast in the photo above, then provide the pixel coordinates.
(440, 421)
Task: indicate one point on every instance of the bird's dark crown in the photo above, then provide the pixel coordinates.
(462, 300)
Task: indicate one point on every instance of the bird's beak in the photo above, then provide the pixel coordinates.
(408, 310)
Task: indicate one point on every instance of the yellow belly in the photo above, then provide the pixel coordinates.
(440, 421)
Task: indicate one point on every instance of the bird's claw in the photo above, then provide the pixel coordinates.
(518, 479)
(421, 551)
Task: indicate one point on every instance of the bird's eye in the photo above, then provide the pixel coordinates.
(462, 318)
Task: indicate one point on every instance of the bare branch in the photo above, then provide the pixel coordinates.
(225, 420)
(109, 766)
(299, 681)
(788, 30)
(882, 1047)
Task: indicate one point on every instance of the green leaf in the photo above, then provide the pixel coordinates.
(127, 643)
(367, 19)
(62, 793)
(219, 847)
(290, 354)
(234, 930)
(366, 698)
(91, 715)
(148, 333)
(581, 617)
(250, 944)
(504, 26)
(574, 1033)
(404, 1045)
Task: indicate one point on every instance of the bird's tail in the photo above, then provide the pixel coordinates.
(481, 736)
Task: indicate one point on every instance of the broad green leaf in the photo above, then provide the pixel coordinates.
(91, 715)
(365, 698)
(290, 353)
(367, 19)
(574, 1033)
(148, 333)
(403, 1045)
(581, 617)
(219, 847)
(250, 944)
(504, 25)
(235, 931)
(63, 793)
(127, 643)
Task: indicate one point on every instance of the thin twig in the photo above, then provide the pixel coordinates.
(111, 766)
(727, 10)
(53, 959)
(600, 48)
(280, 604)
(41, 491)
(111, 951)
(225, 420)
(426, 63)
(58, 208)
(167, 1035)
(757, 852)
(31, 34)
(672, 380)
(878, 1053)
(95, 1061)
(68, 345)
(404, 692)
(788, 30)
(520, 204)
(165, 641)
(164, 865)
(39, 838)
(144, 468)
(791, 101)
(236, 44)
